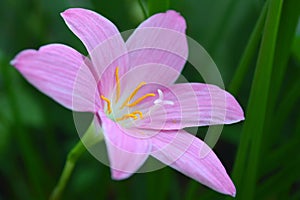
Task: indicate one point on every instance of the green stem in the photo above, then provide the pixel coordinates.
(90, 138)
(72, 158)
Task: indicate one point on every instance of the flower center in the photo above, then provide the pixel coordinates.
(128, 102)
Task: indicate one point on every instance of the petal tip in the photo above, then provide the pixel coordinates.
(70, 11)
(233, 194)
(235, 107)
(240, 112)
(119, 175)
(230, 189)
(62, 14)
(177, 16)
(173, 12)
(65, 13)
(168, 20)
(20, 56)
(227, 187)
(240, 116)
(13, 62)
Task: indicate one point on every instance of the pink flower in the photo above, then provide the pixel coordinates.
(130, 89)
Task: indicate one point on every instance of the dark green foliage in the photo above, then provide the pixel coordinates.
(36, 133)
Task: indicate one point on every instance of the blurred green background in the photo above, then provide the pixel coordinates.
(262, 153)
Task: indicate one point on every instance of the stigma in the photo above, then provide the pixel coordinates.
(161, 100)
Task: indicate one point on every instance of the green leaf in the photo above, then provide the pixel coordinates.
(281, 180)
(245, 174)
(296, 48)
(286, 106)
(276, 158)
(248, 54)
(288, 25)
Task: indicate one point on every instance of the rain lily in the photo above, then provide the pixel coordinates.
(129, 87)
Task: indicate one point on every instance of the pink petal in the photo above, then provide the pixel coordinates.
(192, 157)
(90, 27)
(61, 73)
(103, 42)
(160, 39)
(126, 152)
(195, 104)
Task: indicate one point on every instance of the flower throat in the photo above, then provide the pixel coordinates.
(133, 115)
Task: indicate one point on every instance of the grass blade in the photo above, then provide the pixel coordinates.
(248, 54)
(288, 25)
(245, 176)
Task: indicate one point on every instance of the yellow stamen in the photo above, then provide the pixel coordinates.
(141, 99)
(118, 84)
(133, 94)
(126, 116)
(139, 113)
(107, 102)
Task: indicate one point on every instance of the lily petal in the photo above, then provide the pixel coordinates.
(196, 160)
(90, 27)
(126, 152)
(104, 43)
(194, 104)
(160, 39)
(72, 84)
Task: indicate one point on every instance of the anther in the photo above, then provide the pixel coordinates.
(139, 113)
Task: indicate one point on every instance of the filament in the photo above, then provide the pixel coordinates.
(141, 99)
(133, 94)
(126, 116)
(107, 102)
(118, 84)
